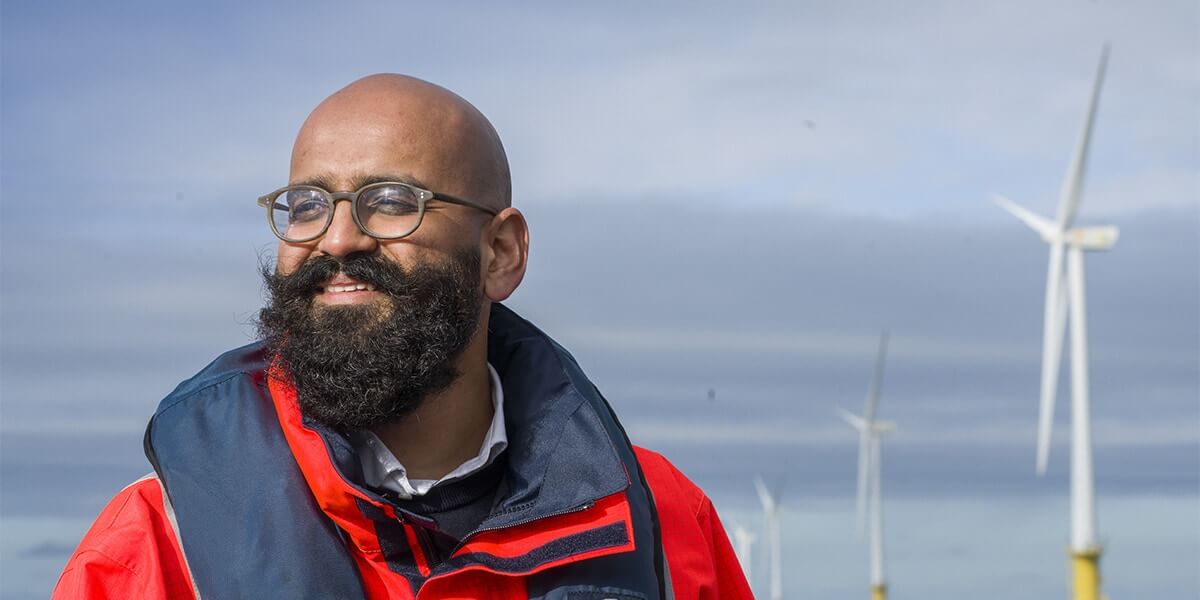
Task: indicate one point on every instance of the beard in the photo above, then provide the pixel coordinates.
(360, 366)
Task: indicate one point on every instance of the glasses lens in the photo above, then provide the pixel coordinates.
(300, 213)
(389, 210)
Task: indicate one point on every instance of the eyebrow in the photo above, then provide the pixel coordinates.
(326, 181)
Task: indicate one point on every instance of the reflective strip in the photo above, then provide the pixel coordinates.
(170, 510)
(667, 585)
(150, 475)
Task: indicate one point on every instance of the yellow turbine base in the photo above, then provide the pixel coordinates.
(1085, 567)
(879, 592)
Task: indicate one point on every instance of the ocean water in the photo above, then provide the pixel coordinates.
(1004, 547)
(936, 547)
(33, 551)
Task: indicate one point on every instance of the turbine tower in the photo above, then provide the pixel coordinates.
(743, 540)
(1065, 238)
(870, 483)
(770, 504)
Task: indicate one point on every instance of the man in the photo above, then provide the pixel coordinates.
(397, 433)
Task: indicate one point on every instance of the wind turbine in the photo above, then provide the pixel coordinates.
(870, 483)
(770, 504)
(743, 539)
(1064, 237)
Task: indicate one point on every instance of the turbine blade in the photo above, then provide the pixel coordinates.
(876, 459)
(860, 497)
(876, 380)
(1036, 222)
(854, 420)
(876, 512)
(1068, 203)
(764, 496)
(1052, 338)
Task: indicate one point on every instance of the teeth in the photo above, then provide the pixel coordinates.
(353, 287)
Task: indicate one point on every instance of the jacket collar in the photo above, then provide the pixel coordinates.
(562, 457)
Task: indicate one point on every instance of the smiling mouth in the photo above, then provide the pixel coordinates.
(348, 287)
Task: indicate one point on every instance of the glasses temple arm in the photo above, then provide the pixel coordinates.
(265, 202)
(472, 204)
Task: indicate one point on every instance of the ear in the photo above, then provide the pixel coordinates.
(505, 246)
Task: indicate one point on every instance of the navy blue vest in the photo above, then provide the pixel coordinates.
(251, 528)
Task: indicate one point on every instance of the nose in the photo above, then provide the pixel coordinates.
(343, 236)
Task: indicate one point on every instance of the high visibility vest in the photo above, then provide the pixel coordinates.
(268, 505)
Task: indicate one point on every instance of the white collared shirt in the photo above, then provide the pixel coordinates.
(382, 469)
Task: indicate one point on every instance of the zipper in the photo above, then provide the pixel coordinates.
(478, 530)
(418, 546)
(434, 575)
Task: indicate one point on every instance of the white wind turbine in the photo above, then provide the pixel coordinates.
(770, 504)
(743, 540)
(870, 483)
(1064, 237)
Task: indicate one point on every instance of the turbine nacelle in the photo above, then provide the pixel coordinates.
(1099, 237)
(863, 426)
(882, 427)
(1102, 237)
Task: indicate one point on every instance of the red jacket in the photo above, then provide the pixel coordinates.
(131, 551)
(264, 502)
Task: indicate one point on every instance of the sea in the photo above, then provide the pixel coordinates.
(941, 545)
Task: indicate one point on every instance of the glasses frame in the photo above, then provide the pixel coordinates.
(267, 201)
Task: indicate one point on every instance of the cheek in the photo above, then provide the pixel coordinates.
(289, 257)
(411, 250)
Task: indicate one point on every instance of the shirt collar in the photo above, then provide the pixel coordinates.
(381, 469)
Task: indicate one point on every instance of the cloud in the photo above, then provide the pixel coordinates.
(706, 434)
(780, 310)
(839, 108)
(48, 549)
(730, 200)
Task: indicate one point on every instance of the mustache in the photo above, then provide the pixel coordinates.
(356, 367)
(387, 276)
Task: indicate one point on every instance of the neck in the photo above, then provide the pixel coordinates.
(448, 428)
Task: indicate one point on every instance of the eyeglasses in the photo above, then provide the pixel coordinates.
(388, 210)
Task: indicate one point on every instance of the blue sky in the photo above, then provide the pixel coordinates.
(729, 198)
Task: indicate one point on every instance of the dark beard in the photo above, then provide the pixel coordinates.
(358, 367)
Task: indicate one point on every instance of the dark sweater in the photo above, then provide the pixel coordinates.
(457, 507)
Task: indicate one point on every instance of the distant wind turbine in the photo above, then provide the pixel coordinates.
(743, 540)
(1062, 237)
(770, 504)
(870, 482)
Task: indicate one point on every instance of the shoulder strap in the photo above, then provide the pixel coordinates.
(246, 519)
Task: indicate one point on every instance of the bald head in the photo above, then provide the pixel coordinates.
(395, 125)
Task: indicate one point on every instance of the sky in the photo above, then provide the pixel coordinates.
(736, 198)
